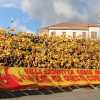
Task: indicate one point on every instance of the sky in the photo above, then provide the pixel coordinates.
(31, 15)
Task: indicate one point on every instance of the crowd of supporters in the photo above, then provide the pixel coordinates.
(48, 52)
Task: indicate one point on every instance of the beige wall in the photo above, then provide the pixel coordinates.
(94, 29)
(69, 32)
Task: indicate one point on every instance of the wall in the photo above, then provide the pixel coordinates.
(94, 29)
(69, 32)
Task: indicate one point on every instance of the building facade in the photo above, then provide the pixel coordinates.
(74, 30)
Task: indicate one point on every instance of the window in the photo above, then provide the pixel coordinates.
(74, 34)
(64, 34)
(53, 33)
(93, 35)
(84, 35)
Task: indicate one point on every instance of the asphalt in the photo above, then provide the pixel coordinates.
(74, 94)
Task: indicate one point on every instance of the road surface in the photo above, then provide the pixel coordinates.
(76, 94)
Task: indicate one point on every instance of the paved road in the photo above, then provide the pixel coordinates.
(76, 94)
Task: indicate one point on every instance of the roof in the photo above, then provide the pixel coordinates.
(80, 26)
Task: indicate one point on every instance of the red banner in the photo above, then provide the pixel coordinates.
(19, 78)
